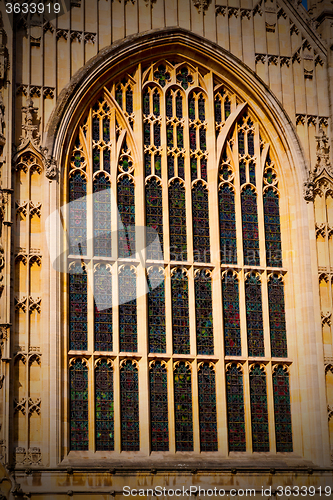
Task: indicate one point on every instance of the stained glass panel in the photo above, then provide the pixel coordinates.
(259, 412)
(147, 164)
(184, 78)
(129, 100)
(241, 145)
(106, 129)
(154, 218)
(250, 227)
(235, 409)
(102, 216)
(218, 110)
(180, 137)
(204, 312)
(104, 406)
(283, 432)
(250, 143)
(242, 173)
(77, 214)
(127, 310)
(146, 133)
(207, 408)
(169, 112)
(179, 106)
(156, 103)
(177, 221)
(106, 160)
(156, 311)
(201, 108)
(146, 102)
(180, 313)
(103, 307)
(254, 317)
(194, 173)
(183, 408)
(158, 165)
(162, 75)
(193, 138)
(181, 169)
(171, 166)
(227, 108)
(228, 241)
(95, 128)
(201, 240)
(78, 319)
(157, 134)
(126, 210)
(202, 135)
(170, 136)
(252, 172)
(231, 321)
(272, 228)
(191, 108)
(119, 96)
(79, 406)
(129, 405)
(158, 379)
(277, 320)
(203, 168)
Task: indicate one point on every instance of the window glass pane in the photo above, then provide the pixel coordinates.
(78, 214)
(79, 406)
(235, 408)
(180, 313)
(254, 319)
(102, 216)
(277, 320)
(183, 408)
(272, 228)
(104, 419)
(177, 221)
(103, 307)
(127, 310)
(250, 227)
(78, 318)
(129, 406)
(201, 240)
(126, 210)
(159, 407)
(283, 433)
(231, 321)
(156, 311)
(203, 312)
(228, 241)
(207, 408)
(259, 412)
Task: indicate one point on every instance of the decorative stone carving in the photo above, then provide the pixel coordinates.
(2, 122)
(329, 412)
(323, 153)
(297, 56)
(300, 119)
(62, 34)
(320, 229)
(76, 35)
(4, 60)
(261, 58)
(20, 405)
(29, 128)
(2, 265)
(308, 74)
(258, 9)
(270, 28)
(20, 303)
(293, 28)
(34, 406)
(326, 318)
(245, 13)
(308, 191)
(35, 304)
(273, 60)
(281, 13)
(201, 5)
(90, 37)
(48, 92)
(220, 10)
(233, 11)
(312, 120)
(51, 168)
(285, 61)
(48, 26)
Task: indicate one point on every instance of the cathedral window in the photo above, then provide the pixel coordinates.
(156, 310)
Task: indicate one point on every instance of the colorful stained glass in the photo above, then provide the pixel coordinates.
(158, 161)
(204, 312)
(202, 137)
(235, 408)
(200, 217)
(254, 317)
(158, 379)
(146, 133)
(146, 102)
(102, 216)
(277, 319)
(156, 311)
(203, 168)
(96, 159)
(228, 240)
(191, 108)
(177, 221)
(241, 145)
(126, 210)
(242, 173)
(147, 164)
(180, 137)
(106, 129)
(250, 143)
(269, 176)
(250, 227)
(207, 408)
(184, 78)
(78, 316)
(183, 408)
(170, 136)
(201, 109)
(154, 219)
(95, 128)
(106, 160)
(231, 321)
(179, 106)
(156, 103)
(119, 96)
(169, 111)
(252, 172)
(283, 432)
(218, 110)
(162, 75)
(181, 168)
(104, 406)
(77, 214)
(180, 313)
(125, 163)
(272, 228)
(77, 158)
(103, 307)
(259, 413)
(157, 134)
(171, 166)
(127, 310)
(194, 170)
(129, 406)
(227, 108)
(78, 373)
(129, 100)
(193, 138)
(225, 171)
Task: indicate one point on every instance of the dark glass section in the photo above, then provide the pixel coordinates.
(228, 241)
(181, 169)
(203, 168)
(147, 164)
(193, 138)
(241, 145)
(252, 172)
(272, 228)
(254, 318)
(201, 109)
(277, 319)
(207, 408)
(283, 432)
(259, 412)
(156, 311)
(235, 408)
(218, 110)
(127, 310)
(231, 321)
(250, 227)
(77, 214)
(162, 75)
(146, 102)
(102, 216)
(119, 96)
(158, 379)
(95, 128)
(204, 312)
(184, 78)
(104, 406)
(179, 106)
(78, 317)
(200, 217)
(250, 143)
(183, 408)
(103, 307)
(106, 161)
(126, 210)
(169, 112)
(78, 374)
(171, 166)
(177, 221)
(154, 219)
(156, 103)
(129, 407)
(180, 313)
(191, 108)
(202, 136)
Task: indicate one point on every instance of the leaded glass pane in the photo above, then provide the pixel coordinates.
(146, 102)
(78, 319)
(158, 165)
(171, 166)
(129, 100)
(170, 136)
(181, 168)
(180, 313)
(179, 106)
(228, 241)
(203, 168)
(201, 241)
(183, 408)
(250, 143)
(162, 75)
(252, 172)
(283, 432)
(193, 138)
(104, 406)
(254, 317)
(127, 310)
(194, 173)
(103, 307)
(106, 161)
(227, 108)
(235, 409)
(102, 216)
(242, 173)
(218, 110)
(202, 136)
(106, 129)
(119, 96)
(79, 406)
(146, 133)
(259, 412)
(129, 406)
(201, 109)
(250, 227)
(156, 311)
(231, 321)
(147, 164)
(95, 128)
(177, 221)
(156, 103)
(180, 137)
(184, 78)
(169, 112)
(277, 320)
(272, 228)
(241, 145)
(158, 379)
(207, 408)
(191, 108)
(126, 210)
(78, 214)
(154, 219)
(157, 134)
(204, 312)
